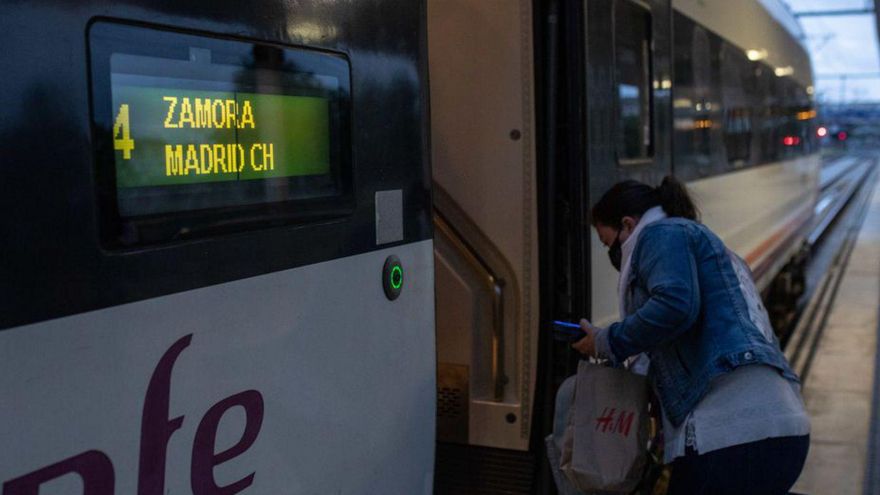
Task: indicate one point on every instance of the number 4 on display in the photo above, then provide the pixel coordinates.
(121, 126)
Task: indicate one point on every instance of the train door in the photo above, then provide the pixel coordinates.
(217, 270)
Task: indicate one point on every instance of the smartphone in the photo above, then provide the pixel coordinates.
(567, 331)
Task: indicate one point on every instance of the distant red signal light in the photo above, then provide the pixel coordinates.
(791, 140)
(842, 135)
(822, 132)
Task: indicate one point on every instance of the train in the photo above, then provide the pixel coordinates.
(317, 246)
(537, 108)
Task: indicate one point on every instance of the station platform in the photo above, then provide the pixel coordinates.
(841, 386)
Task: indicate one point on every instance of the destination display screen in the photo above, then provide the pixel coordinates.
(196, 132)
(168, 136)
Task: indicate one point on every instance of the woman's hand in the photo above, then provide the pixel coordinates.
(587, 345)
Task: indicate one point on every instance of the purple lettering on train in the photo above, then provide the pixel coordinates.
(96, 469)
(203, 457)
(156, 428)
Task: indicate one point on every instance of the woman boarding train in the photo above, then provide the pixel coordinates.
(733, 417)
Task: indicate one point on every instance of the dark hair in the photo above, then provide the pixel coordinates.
(631, 198)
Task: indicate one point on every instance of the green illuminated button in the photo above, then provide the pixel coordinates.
(396, 277)
(392, 277)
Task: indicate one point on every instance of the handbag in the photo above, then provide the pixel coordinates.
(606, 440)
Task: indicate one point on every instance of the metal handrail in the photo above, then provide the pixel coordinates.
(495, 285)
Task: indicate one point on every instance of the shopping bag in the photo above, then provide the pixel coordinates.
(553, 442)
(605, 443)
(563, 486)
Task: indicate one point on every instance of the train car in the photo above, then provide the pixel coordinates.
(217, 271)
(537, 107)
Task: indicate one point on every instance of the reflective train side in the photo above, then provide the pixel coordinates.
(743, 132)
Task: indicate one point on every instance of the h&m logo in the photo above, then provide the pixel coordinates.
(607, 423)
(96, 469)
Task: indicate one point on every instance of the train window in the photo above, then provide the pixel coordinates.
(707, 109)
(697, 105)
(769, 111)
(632, 54)
(730, 112)
(797, 116)
(198, 135)
(737, 88)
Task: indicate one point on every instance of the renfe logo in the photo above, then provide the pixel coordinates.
(96, 469)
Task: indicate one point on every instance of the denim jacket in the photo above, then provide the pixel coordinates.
(687, 312)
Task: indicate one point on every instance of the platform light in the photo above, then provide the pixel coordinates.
(810, 90)
(784, 71)
(756, 54)
(822, 131)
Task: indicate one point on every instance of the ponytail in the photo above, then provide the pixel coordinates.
(675, 200)
(632, 199)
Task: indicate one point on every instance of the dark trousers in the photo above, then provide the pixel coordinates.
(766, 467)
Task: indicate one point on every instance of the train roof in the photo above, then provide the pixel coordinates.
(765, 29)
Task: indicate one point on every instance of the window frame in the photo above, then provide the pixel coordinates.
(648, 46)
(119, 232)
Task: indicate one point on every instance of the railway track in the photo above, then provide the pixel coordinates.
(845, 191)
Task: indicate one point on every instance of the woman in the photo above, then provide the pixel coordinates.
(733, 417)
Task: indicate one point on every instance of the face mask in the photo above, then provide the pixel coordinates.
(615, 253)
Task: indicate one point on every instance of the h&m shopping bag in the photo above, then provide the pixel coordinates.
(605, 443)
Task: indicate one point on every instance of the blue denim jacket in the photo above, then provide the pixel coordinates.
(685, 309)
